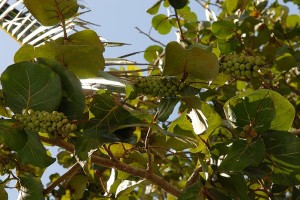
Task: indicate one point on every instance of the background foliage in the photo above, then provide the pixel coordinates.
(235, 135)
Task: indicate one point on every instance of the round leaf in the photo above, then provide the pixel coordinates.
(162, 24)
(196, 62)
(152, 53)
(81, 53)
(31, 86)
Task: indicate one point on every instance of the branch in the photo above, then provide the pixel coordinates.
(142, 173)
(194, 177)
(296, 132)
(180, 29)
(72, 171)
(151, 38)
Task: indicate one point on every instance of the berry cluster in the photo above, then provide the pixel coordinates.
(241, 65)
(159, 86)
(45, 122)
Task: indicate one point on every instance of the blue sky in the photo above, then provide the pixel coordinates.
(117, 20)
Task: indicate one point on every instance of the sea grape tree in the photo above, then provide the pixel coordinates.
(214, 115)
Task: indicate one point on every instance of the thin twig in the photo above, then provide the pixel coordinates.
(151, 38)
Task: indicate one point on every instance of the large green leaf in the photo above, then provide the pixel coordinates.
(235, 183)
(223, 29)
(283, 157)
(81, 53)
(262, 109)
(242, 154)
(256, 110)
(107, 116)
(31, 187)
(194, 62)
(13, 137)
(33, 152)
(52, 12)
(31, 86)
(73, 102)
(285, 62)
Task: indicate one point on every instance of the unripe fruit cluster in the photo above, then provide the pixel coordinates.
(45, 122)
(241, 65)
(158, 86)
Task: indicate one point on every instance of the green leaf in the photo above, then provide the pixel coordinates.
(154, 9)
(66, 159)
(34, 152)
(79, 183)
(230, 5)
(31, 86)
(25, 53)
(293, 21)
(107, 117)
(256, 110)
(152, 53)
(166, 107)
(73, 102)
(236, 184)
(162, 24)
(13, 137)
(178, 4)
(223, 29)
(31, 187)
(283, 157)
(3, 193)
(261, 107)
(81, 53)
(91, 140)
(50, 12)
(181, 127)
(194, 62)
(285, 62)
(126, 186)
(243, 154)
(202, 115)
(192, 192)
